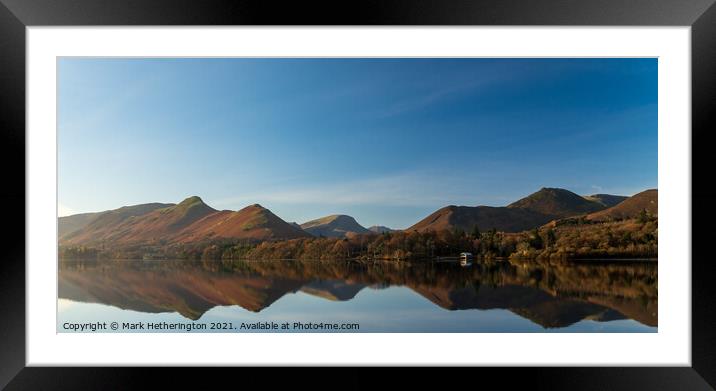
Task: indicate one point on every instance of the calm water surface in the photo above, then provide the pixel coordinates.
(238, 296)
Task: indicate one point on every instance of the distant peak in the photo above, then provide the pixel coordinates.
(557, 202)
(192, 200)
(553, 190)
(329, 219)
(550, 192)
(332, 217)
(255, 208)
(335, 225)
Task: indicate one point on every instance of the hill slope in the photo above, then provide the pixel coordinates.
(631, 207)
(334, 226)
(379, 229)
(484, 217)
(157, 225)
(190, 220)
(532, 211)
(101, 224)
(69, 224)
(557, 202)
(251, 222)
(607, 200)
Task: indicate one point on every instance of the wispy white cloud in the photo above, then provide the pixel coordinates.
(432, 96)
(399, 190)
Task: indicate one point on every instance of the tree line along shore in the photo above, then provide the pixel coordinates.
(566, 239)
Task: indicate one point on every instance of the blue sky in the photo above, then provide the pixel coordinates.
(387, 141)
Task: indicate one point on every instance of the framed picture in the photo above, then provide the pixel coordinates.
(438, 183)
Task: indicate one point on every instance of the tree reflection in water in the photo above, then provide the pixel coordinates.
(549, 294)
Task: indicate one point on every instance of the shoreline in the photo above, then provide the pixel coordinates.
(369, 261)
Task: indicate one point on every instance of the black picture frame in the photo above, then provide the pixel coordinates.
(700, 15)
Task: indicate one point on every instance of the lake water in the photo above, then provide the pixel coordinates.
(338, 296)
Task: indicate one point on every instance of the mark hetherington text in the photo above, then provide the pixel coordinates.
(192, 326)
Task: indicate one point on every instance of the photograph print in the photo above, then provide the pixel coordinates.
(357, 195)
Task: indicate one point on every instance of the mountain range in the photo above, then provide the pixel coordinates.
(334, 226)
(647, 200)
(535, 210)
(192, 220)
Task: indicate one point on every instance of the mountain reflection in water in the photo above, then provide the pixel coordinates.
(549, 295)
